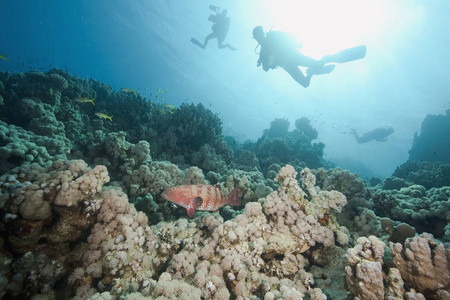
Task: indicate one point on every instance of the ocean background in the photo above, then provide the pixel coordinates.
(145, 45)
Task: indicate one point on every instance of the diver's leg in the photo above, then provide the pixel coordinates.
(315, 67)
(357, 138)
(220, 39)
(207, 38)
(297, 75)
(301, 59)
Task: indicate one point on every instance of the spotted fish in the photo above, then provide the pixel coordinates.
(200, 197)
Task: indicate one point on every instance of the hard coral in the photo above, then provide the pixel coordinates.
(423, 263)
(419, 268)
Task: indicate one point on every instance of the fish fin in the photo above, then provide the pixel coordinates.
(197, 202)
(190, 212)
(233, 198)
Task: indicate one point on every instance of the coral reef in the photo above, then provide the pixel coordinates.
(83, 217)
(420, 269)
(44, 104)
(207, 256)
(280, 146)
(425, 210)
(433, 142)
(428, 174)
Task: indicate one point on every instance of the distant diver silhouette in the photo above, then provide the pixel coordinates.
(281, 49)
(219, 29)
(378, 134)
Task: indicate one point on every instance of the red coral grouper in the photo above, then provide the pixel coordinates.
(200, 197)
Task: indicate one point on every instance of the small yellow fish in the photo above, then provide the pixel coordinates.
(128, 90)
(169, 106)
(103, 116)
(84, 100)
(3, 57)
(159, 92)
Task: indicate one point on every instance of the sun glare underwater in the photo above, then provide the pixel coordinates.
(327, 26)
(180, 149)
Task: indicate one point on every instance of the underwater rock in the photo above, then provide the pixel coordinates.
(433, 142)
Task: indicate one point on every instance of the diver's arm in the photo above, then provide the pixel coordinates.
(264, 64)
(258, 63)
(263, 59)
(212, 18)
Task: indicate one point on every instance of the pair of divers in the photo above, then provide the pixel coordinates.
(280, 49)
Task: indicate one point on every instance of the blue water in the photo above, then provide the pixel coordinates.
(145, 45)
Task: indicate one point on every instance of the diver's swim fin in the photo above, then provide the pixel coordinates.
(196, 42)
(346, 55)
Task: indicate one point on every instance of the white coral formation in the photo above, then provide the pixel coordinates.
(364, 268)
(153, 178)
(350, 184)
(423, 264)
(217, 258)
(260, 252)
(295, 217)
(76, 188)
(65, 183)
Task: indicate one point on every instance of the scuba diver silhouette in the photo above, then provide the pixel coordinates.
(280, 49)
(378, 134)
(219, 29)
